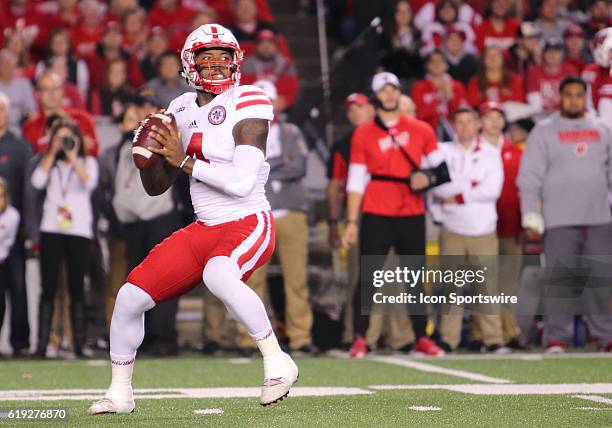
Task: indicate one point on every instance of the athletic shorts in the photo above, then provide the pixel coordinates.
(175, 265)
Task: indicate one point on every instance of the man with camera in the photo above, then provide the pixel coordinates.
(385, 182)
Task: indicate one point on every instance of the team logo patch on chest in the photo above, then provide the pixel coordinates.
(216, 116)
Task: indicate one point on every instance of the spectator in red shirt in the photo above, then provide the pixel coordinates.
(500, 26)
(246, 26)
(527, 51)
(388, 149)
(88, 32)
(598, 76)
(542, 87)
(359, 111)
(224, 9)
(494, 82)
(575, 47)
(267, 63)
(49, 93)
(447, 16)
(156, 46)
(206, 15)
(135, 32)
(24, 17)
(67, 15)
(110, 49)
(508, 214)
(438, 95)
(110, 100)
(72, 97)
(171, 16)
(77, 72)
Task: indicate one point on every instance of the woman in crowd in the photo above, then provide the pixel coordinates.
(494, 81)
(400, 43)
(115, 92)
(60, 49)
(68, 178)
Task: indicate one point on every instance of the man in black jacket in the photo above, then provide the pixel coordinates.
(15, 154)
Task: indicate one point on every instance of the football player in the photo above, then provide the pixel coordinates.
(220, 142)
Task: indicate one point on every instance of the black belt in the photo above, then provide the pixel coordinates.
(379, 177)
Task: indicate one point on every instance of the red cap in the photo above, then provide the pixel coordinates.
(454, 28)
(488, 106)
(573, 30)
(356, 98)
(266, 35)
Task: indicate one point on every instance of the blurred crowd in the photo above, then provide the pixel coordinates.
(77, 77)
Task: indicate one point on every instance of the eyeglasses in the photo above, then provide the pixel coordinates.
(49, 88)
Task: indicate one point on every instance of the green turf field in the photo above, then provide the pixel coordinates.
(528, 390)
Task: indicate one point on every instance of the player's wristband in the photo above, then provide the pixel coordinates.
(184, 162)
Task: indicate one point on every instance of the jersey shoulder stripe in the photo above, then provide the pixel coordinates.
(249, 93)
(262, 101)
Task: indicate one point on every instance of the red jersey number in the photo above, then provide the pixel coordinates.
(195, 147)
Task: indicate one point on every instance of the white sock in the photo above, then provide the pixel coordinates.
(267, 344)
(122, 369)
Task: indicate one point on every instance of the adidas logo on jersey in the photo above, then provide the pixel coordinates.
(193, 125)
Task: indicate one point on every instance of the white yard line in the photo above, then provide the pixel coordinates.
(425, 408)
(511, 389)
(213, 411)
(162, 393)
(595, 398)
(430, 368)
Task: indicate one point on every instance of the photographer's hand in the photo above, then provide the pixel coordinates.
(49, 159)
(73, 157)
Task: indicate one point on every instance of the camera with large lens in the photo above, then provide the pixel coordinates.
(68, 143)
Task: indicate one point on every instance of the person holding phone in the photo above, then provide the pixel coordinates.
(68, 177)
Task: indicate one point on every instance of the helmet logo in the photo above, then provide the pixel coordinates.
(216, 116)
(213, 31)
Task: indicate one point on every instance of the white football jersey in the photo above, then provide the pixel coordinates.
(207, 135)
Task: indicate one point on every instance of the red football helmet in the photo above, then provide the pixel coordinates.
(211, 36)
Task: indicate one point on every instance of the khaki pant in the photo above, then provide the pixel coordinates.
(398, 328)
(509, 272)
(292, 249)
(454, 244)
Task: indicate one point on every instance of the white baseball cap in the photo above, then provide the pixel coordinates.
(380, 80)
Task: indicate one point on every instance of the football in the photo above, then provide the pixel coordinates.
(143, 157)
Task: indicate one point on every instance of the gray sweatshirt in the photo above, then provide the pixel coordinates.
(286, 153)
(566, 166)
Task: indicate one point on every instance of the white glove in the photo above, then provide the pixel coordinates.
(533, 221)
